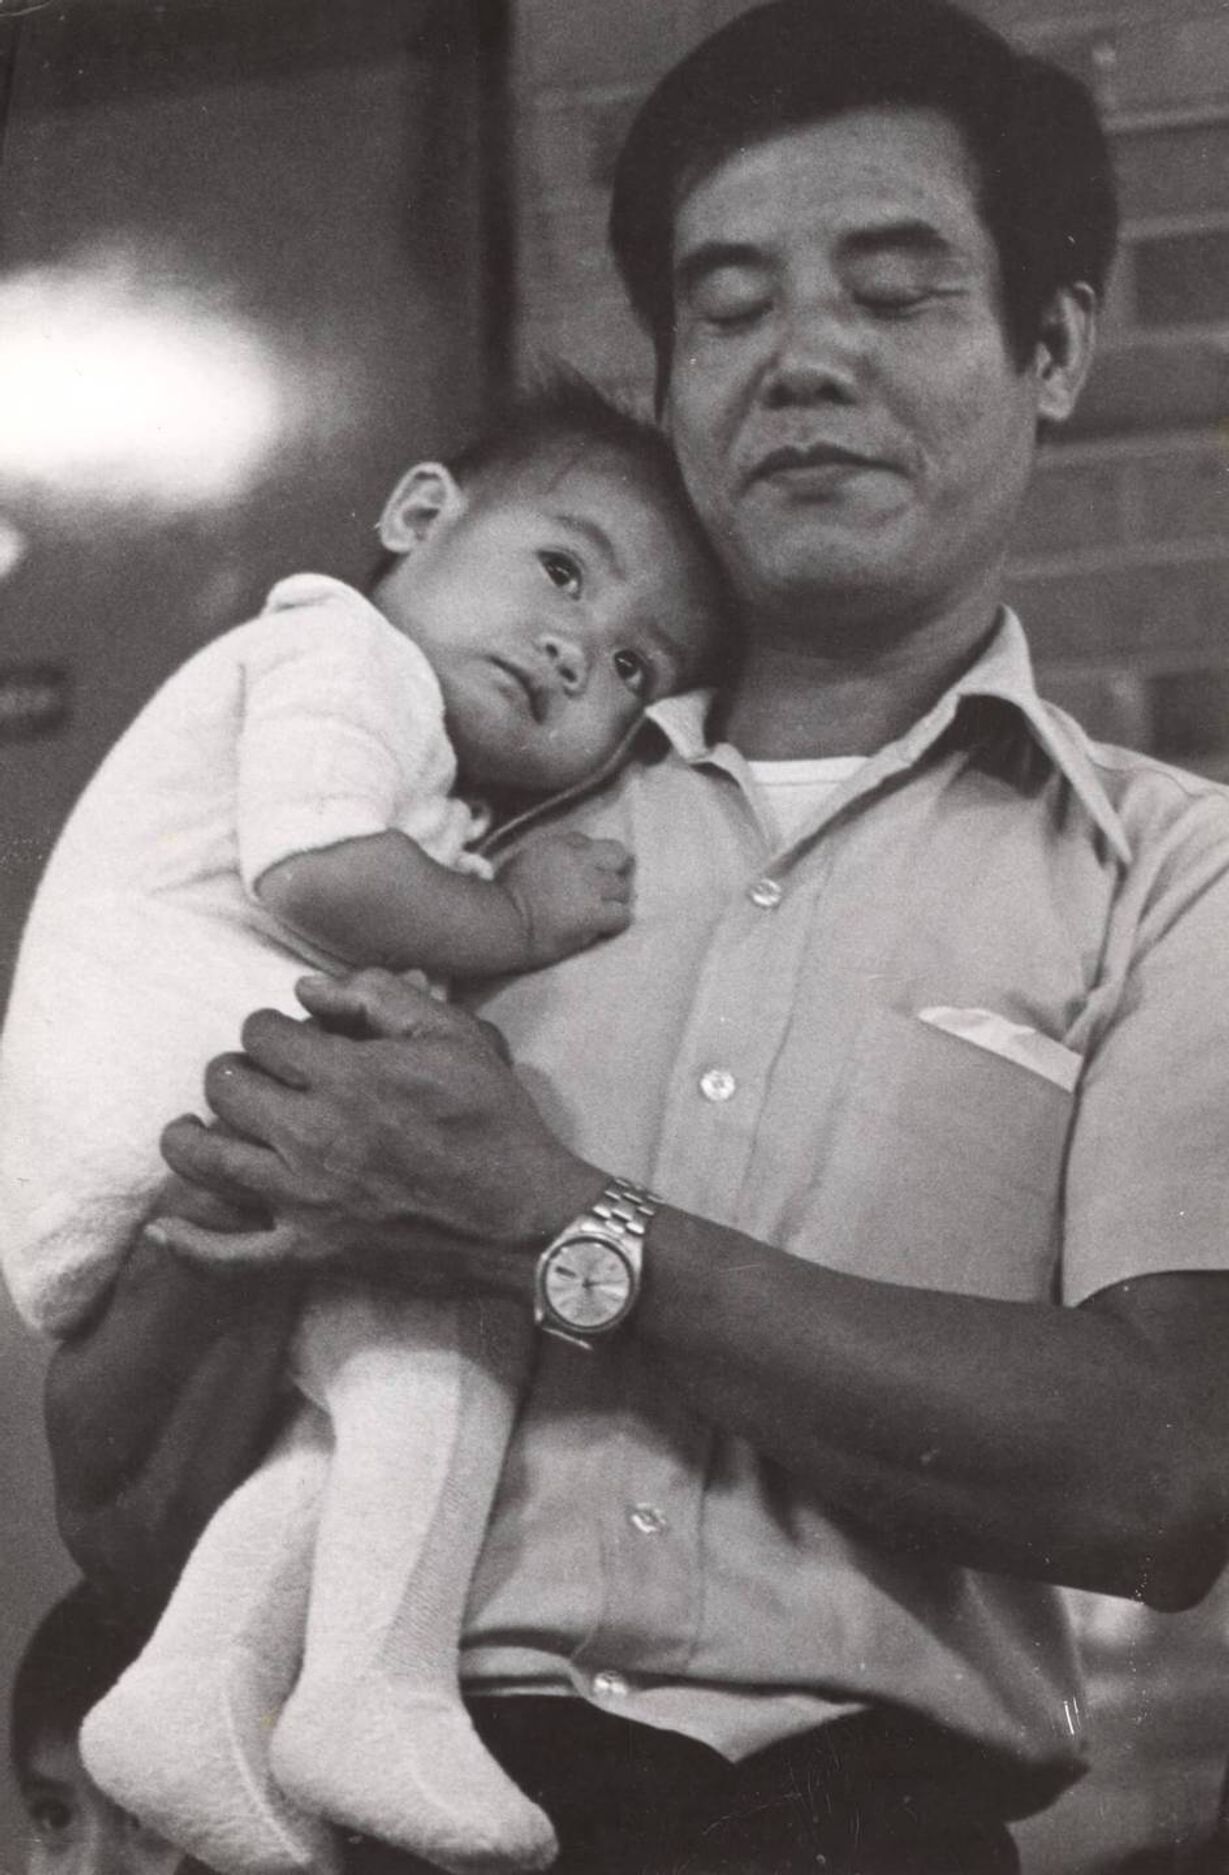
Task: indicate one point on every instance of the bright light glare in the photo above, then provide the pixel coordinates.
(116, 390)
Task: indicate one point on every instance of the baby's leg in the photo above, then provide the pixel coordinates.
(375, 1736)
(182, 1740)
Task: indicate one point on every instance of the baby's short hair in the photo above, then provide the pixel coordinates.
(561, 413)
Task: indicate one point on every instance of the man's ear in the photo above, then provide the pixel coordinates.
(1064, 352)
(426, 495)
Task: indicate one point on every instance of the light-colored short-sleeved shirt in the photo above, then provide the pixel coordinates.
(968, 1031)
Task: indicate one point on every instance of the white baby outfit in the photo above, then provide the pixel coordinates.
(347, 1554)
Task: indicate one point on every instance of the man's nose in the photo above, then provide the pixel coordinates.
(568, 660)
(814, 359)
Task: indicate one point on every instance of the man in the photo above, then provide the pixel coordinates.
(919, 1032)
(76, 1653)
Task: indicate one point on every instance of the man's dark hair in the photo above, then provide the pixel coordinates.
(1046, 189)
(75, 1655)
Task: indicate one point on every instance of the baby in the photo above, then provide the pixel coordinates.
(301, 790)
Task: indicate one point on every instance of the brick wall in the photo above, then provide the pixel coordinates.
(1124, 549)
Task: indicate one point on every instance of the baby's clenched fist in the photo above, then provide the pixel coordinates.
(569, 890)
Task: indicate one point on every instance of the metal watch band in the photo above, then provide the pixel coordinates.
(621, 1215)
(627, 1207)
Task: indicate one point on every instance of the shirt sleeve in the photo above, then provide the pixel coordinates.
(342, 727)
(1147, 1188)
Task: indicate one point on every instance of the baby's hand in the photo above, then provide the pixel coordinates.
(569, 890)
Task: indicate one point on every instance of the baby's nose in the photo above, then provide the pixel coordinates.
(568, 661)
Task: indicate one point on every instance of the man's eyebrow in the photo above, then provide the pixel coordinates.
(595, 534)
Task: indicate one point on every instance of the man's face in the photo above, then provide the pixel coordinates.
(850, 422)
(74, 1829)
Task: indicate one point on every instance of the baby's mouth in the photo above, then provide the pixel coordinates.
(521, 683)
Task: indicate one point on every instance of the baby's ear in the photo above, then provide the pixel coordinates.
(426, 495)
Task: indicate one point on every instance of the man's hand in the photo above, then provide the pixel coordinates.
(193, 1204)
(570, 891)
(390, 1126)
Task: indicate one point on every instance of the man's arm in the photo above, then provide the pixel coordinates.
(1085, 1446)
(158, 1407)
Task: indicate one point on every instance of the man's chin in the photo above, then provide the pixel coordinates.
(825, 577)
(852, 610)
(815, 544)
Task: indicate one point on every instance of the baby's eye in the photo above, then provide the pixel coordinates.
(564, 572)
(633, 670)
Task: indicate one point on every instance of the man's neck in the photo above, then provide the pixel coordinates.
(796, 698)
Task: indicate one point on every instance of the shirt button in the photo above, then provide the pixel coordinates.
(717, 1084)
(766, 893)
(647, 1519)
(610, 1685)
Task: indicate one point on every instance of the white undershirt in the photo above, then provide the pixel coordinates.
(793, 792)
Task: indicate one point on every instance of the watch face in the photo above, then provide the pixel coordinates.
(588, 1284)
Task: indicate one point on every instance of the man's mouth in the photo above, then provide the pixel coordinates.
(823, 461)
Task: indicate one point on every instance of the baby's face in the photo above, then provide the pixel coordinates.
(552, 609)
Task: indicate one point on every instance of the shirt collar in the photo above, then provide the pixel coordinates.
(683, 720)
(1004, 670)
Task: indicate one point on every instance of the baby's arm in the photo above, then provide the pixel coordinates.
(382, 900)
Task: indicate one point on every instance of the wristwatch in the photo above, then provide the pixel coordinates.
(588, 1277)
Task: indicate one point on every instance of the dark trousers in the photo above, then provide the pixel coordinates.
(871, 1794)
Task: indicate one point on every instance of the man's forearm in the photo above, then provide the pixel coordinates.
(1079, 1445)
(1067, 1444)
(110, 1385)
(157, 1408)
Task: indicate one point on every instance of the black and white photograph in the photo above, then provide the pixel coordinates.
(614, 937)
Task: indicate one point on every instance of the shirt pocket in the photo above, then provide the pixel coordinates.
(945, 1168)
